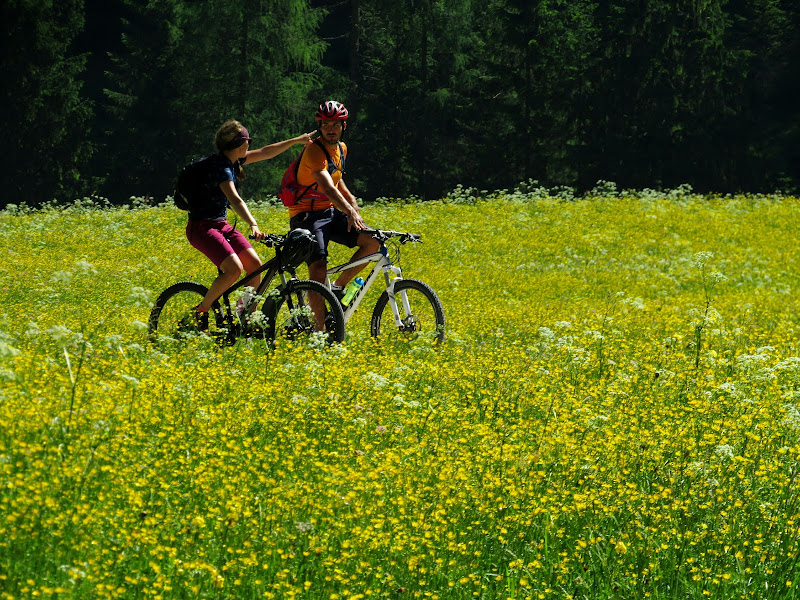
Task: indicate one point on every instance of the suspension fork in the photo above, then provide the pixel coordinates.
(390, 282)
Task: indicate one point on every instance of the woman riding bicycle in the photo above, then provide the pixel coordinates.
(208, 229)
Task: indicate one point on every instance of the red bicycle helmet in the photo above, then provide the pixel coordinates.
(331, 111)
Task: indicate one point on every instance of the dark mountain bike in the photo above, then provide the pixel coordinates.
(284, 313)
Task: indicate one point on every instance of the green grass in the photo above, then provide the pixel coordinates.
(615, 413)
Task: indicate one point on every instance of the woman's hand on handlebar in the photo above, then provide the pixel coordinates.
(268, 239)
(255, 232)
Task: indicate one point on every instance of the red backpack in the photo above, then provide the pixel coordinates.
(290, 186)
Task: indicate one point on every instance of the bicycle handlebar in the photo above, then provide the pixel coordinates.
(270, 239)
(385, 234)
(273, 239)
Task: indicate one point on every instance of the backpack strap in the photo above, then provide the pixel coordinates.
(332, 168)
(296, 169)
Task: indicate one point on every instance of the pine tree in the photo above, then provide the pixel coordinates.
(190, 66)
(42, 113)
(412, 68)
(529, 104)
(664, 110)
(761, 151)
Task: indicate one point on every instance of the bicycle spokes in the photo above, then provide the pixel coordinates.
(292, 316)
(173, 315)
(413, 313)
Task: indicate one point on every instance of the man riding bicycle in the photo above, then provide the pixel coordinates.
(326, 207)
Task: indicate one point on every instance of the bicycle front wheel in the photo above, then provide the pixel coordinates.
(419, 309)
(290, 314)
(173, 313)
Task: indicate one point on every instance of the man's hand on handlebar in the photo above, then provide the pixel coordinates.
(354, 220)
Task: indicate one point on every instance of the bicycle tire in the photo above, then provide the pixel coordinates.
(171, 315)
(424, 321)
(287, 315)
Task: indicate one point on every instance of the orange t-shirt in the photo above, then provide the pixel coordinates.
(314, 160)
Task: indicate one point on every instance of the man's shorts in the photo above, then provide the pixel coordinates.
(216, 239)
(329, 225)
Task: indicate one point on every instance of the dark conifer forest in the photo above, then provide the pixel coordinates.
(112, 97)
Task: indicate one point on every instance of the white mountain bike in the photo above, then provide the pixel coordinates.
(408, 309)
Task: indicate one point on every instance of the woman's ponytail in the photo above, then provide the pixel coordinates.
(238, 170)
(229, 137)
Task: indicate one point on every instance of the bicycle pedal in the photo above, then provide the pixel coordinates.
(338, 291)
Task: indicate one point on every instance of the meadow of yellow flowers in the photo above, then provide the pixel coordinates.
(615, 413)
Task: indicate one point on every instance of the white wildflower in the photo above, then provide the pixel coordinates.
(724, 451)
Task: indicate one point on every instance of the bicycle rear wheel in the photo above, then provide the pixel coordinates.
(288, 314)
(421, 314)
(173, 315)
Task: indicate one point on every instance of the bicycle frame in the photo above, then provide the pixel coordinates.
(382, 265)
(271, 268)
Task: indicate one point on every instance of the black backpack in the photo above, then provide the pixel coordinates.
(191, 189)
